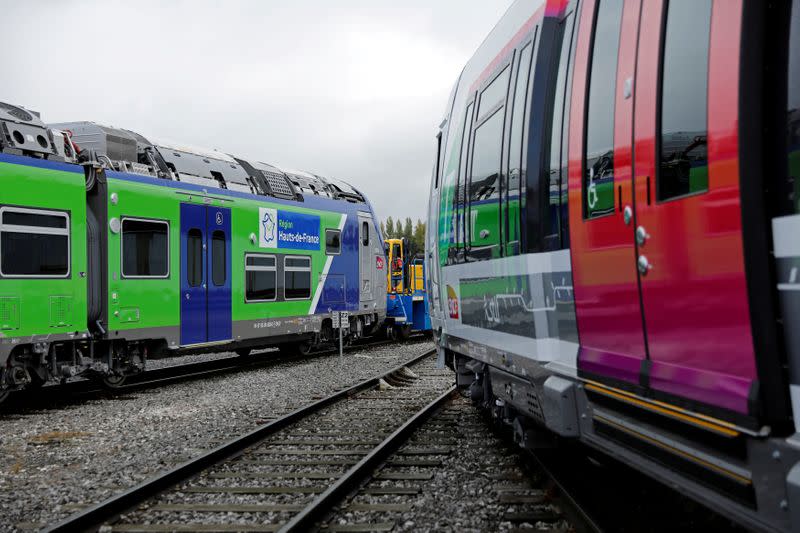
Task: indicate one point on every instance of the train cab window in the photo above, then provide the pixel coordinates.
(512, 193)
(145, 248)
(793, 108)
(556, 168)
(683, 164)
(34, 243)
(598, 173)
(365, 233)
(297, 278)
(261, 278)
(218, 258)
(333, 241)
(194, 257)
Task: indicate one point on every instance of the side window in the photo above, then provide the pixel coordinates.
(459, 198)
(683, 165)
(333, 241)
(261, 278)
(365, 233)
(793, 115)
(194, 257)
(297, 277)
(556, 167)
(598, 173)
(34, 243)
(512, 193)
(145, 248)
(218, 258)
(485, 172)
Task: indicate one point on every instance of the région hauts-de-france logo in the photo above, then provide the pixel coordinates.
(268, 228)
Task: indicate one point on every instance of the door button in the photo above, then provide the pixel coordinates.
(627, 215)
(187, 296)
(641, 235)
(644, 265)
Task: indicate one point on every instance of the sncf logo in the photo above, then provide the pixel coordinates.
(452, 302)
(379, 262)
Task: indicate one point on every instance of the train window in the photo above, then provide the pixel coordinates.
(459, 196)
(145, 248)
(683, 165)
(34, 243)
(494, 93)
(598, 175)
(218, 258)
(333, 241)
(261, 278)
(194, 257)
(297, 277)
(365, 233)
(793, 114)
(437, 169)
(484, 187)
(515, 156)
(556, 179)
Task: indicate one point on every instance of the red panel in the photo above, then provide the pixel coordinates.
(694, 298)
(603, 256)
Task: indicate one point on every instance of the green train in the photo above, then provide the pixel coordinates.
(115, 249)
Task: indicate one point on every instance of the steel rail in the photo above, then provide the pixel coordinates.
(362, 471)
(96, 515)
(579, 517)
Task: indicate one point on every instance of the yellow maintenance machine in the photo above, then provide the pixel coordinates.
(406, 301)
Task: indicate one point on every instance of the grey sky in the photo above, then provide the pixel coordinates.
(346, 89)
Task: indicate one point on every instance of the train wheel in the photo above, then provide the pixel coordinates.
(113, 381)
(293, 348)
(243, 352)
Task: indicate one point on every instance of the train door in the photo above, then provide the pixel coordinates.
(657, 249)
(205, 274)
(688, 230)
(366, 259)
(603, 259)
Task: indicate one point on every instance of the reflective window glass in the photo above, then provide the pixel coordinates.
(598, 179)
(194, 257)
(145, 248)
(683, 166)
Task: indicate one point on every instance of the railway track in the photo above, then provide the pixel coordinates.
(320, 452)
(366, 458)
(56, 393)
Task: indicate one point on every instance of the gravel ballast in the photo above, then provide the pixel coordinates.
(55, 461)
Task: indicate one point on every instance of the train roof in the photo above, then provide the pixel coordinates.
(22, 132)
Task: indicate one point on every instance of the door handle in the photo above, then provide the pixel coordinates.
(641, 235)
(627, 215)
(643, 265)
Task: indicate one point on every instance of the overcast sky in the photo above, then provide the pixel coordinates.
(347, 89)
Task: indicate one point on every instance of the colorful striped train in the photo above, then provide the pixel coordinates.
(614, 239)
(115, 248)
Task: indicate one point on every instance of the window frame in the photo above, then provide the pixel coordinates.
(38, 230)
(659, 133)
(122, 246)
(296, 269)
(224, 258)
(365, 234)
(586, 216)
(255, 268)
(333, 230)
(482, 116)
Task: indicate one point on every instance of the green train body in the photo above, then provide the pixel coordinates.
(101, 265)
